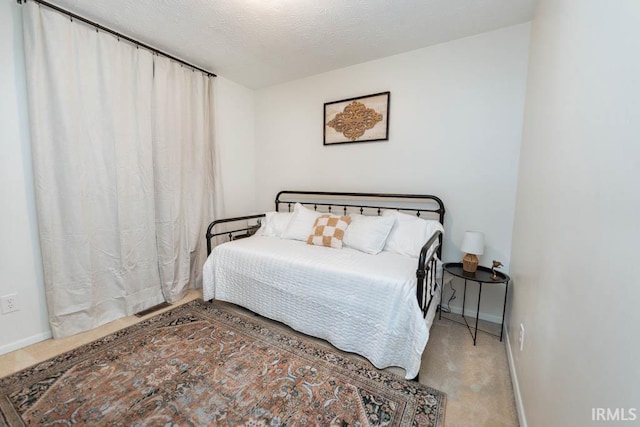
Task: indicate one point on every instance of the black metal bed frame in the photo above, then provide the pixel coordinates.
(345, 202)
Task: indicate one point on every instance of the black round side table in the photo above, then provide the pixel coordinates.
(482, 275)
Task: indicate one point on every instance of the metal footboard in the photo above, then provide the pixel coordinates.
(426, 273)
(235, 233)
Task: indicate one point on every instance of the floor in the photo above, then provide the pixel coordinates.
(476, 379)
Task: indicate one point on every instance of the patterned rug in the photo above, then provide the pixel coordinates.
(203, 364)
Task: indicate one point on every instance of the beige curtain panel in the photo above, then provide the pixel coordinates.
(184, 184)
(123, 180)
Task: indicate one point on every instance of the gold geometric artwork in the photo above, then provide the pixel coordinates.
(359, 119)
(355, 120)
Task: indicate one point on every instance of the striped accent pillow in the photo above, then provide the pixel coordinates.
(328, 230)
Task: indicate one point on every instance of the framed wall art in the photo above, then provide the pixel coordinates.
(361, 119)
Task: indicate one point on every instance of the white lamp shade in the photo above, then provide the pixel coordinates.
(473, 243)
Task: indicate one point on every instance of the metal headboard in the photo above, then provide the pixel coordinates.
(365, 203)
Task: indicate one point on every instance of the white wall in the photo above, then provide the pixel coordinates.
(455, 129)
(20, 259)
(234, 133)
(575, 240)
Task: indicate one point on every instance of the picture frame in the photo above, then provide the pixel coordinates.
(359, 119)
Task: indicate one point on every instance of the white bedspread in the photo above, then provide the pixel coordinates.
(360, 303)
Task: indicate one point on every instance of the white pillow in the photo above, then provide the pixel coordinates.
(409, 233)
(301, 224)
(368, 233)
(275, 224)
(432, 227)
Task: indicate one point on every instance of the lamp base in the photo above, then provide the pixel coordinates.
(470, 263)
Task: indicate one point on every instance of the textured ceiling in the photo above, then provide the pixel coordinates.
(258, 43)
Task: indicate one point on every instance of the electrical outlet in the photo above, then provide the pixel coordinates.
(521, 337)
(9, 303)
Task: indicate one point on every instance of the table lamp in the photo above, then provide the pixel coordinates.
(472, 246)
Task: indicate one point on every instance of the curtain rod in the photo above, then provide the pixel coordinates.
(117, 34)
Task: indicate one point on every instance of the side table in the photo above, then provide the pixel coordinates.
(481, 276)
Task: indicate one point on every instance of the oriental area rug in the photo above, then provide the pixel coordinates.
(204, 364)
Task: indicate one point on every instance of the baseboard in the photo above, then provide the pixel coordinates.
(522, 419)
(7, 348)
(472, 313)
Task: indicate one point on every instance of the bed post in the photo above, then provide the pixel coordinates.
(420, 274)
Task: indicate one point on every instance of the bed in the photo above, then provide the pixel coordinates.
(378, 303)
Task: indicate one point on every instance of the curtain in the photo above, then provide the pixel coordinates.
(184, 172)
(122, 168)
